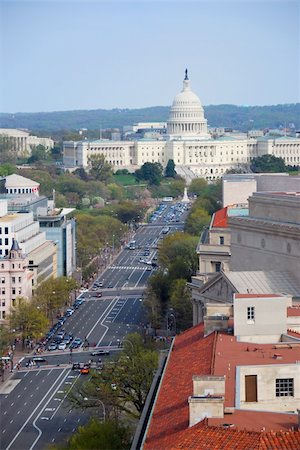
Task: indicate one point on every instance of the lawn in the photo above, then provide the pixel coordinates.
(125, 180)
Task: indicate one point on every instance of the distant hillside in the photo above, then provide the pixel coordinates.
(237, 117)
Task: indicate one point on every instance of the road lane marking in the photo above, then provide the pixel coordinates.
(33, 412)
(104, 314)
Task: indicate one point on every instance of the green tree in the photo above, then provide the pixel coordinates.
(176, 187)
(4, 339)
(122, 386)
(179, 245)
(7, 169)
(151, 172)
(181, 302)
(39, 153)
(99, 168)
(110, 435)
(197, 186)
(28, 320)
(8, 152)
(170, 169)
(268, 163)
(197, 220)
(53, 294)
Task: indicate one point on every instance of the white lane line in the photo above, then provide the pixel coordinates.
(5, 412)
(104, 314)
(140, 278)
(48, 409)
(33, 412)
(3, 431)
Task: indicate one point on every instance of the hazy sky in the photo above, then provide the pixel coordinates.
(61, 55)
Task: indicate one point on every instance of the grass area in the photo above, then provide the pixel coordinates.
(125, 180)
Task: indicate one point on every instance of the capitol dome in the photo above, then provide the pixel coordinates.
(186, 115)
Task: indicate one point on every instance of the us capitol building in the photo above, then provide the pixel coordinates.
(187, 142)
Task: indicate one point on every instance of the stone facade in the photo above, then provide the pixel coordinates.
(269, 239)
(187, 142)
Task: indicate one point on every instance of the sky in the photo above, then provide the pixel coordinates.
(72, 54)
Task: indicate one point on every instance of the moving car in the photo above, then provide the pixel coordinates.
(85, 370)
(100, 352)
(39, 359)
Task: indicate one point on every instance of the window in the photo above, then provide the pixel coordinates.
(2, 280)
(250, 313)
(221, 240)
(284, 387)
(2, 291)
(6, 230)
(13, 280)
(6, 241)
(218, 267)
(20, 279)
(13, 290)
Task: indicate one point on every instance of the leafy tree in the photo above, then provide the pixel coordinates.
(179, 245)
(8, 152)
(170, 169)
(81, 173)
(4, 339)
(176, 187)
(121, 386)
(116, 192)
(197, 186)
(268, 163)
(181, 302)
(28, 320)
(109, 435)
(128, 211)
(7, 169)
(38, 153)
(151, 172)
(53, 294)
(196, 221)
(99, 168)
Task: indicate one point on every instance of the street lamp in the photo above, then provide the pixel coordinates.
(86, 399)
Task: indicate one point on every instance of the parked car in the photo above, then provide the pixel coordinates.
(52, 347)
(69, 312)
(62, 346)
(76, 343)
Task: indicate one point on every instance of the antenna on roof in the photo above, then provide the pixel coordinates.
(186, 75)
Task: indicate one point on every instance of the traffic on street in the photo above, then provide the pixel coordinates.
(34, 409)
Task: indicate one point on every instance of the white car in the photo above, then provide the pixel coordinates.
(62, 346)
(83, 290)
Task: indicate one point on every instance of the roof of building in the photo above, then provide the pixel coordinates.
(257, 295)
(217, 354)
(15, 180)
(264, 282)
(293, 311)
(14, 132)
(220, 217)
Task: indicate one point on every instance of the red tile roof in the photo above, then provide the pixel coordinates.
(194, 354)
(293, 311)
(220, 218)
(293, 333)
(257, 295)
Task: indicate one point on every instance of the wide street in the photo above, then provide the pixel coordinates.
(34, 410)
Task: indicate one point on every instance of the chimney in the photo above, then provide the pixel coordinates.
(207, 399)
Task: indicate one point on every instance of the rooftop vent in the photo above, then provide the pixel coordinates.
(228, 425)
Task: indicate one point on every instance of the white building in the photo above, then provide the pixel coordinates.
(22, 142)
(187, 142)
(16, 184)
(41, 253)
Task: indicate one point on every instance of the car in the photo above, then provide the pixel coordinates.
(83, 290)
(52, 347)
(99, 294)
(100, 284)
(85, 370)
(76, 343)
(62, 346)
(39, 359)
(69, 312)
(142, 260)
(76, 365)
(110, 285)
(149, 268)
(100, 352)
